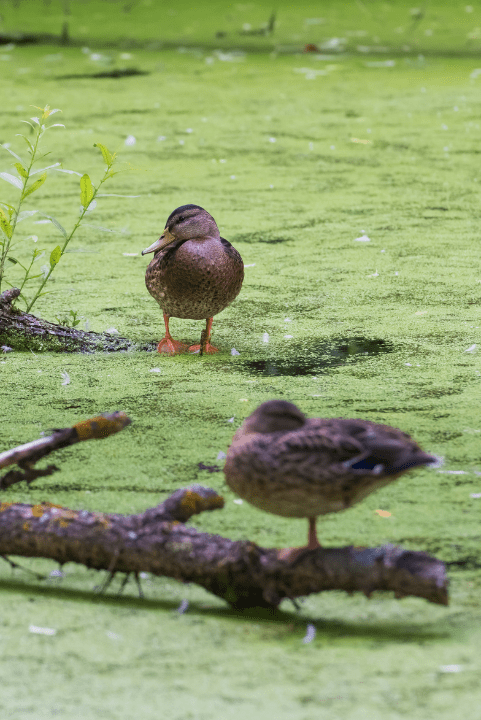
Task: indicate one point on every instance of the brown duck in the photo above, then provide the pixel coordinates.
(194, 274)
(287, 464)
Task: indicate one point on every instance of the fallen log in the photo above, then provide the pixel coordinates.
(245, 575)
(22, 331)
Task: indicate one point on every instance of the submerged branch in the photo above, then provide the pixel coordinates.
(25, 456)
(23, 331)
(242, 573)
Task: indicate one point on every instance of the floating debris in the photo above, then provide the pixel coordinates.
(183, 607)
(310, 634)
(41, 630)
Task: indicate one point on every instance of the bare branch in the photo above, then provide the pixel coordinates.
(25, 456)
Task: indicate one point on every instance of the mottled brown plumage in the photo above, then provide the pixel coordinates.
(194, 273)
(287, 464)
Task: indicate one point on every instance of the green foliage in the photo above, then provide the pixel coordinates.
(71, 319)
(10, 215)
(86, 191)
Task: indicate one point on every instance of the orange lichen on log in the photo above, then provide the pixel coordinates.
(192, 503)
(245, 575)
(4, 506)
(62, 522)
(101, 426)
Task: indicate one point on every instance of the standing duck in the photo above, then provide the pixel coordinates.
(194, 274)
(287, 464)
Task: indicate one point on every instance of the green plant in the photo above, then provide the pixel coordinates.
(70, 319)
(11, 216)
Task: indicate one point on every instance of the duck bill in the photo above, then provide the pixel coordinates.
(165, 239)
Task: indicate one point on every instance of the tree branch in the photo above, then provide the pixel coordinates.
(25, 456)
(22, 331)
(240, 572)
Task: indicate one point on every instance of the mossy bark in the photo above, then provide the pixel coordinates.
(22, 331)
(240, 572)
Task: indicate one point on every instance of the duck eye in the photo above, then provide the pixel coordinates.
(181, 219)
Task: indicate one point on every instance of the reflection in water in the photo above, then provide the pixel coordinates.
(316, 357)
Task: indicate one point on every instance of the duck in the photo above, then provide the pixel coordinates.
(284, 463)
(195, 274)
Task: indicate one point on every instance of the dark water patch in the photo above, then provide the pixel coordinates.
(119, 73)
(210, 468)
(316, 357)
(94, 489)
(261, 237)
(384, 145)
(440, 392)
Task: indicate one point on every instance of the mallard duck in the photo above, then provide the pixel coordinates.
(194, 274)
(287, 464)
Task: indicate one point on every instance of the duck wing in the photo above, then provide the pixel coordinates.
(341, 446)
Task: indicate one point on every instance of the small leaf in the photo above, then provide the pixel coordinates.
(70, 172)
(42, 170)
(12, 153)
(55, 222)
(5, 224)
(55, 256)
(21, 170)
(10, 208)
(106, 154)
(34, 186)
(40, 108)
(30, 146)
(55, 125)
(25, 214)
(28, 123)
(86, 190)
(12, 180)
(17, 262)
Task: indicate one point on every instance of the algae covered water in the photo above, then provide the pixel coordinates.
(348, 179)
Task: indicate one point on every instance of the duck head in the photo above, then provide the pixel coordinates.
(274, 416)
(187, 222)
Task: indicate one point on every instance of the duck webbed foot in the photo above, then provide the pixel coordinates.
(290, 554)
(169, 346)
(205, 347)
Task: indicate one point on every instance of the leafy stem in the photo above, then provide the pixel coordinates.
(88, 194)
(8, 225)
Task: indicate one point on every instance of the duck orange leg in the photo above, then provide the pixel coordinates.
(168, 345)
(313, 543)
(205, 346)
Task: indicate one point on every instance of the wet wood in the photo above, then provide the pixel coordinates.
(22, 331)
(245, 575)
